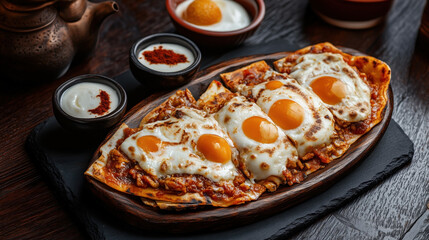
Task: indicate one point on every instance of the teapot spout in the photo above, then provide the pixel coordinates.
(100, 11)
(84, 32)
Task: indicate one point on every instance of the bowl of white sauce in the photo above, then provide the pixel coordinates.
(164, 60)
(89, 103)
(216, 23)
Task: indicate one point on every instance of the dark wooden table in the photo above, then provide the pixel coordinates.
(397, 208)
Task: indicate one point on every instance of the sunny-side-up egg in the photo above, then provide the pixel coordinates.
(191, 144)
(263, 146)
(337, 84)
(214, 15)
(302, 116)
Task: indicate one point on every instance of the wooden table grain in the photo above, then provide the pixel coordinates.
(395, 209)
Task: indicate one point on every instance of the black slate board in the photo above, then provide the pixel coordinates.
(64, 156)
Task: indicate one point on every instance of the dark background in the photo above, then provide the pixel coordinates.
(395, 209)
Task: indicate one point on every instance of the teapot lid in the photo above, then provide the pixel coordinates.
(26, 5)
(33, 16)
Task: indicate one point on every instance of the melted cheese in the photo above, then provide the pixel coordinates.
(178, 153)
(317, 126)
(261, 159)
(354, 102)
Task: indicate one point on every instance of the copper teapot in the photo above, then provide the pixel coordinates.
(40, 38)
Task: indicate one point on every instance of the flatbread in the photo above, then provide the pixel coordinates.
(375, 73)
(115, 170)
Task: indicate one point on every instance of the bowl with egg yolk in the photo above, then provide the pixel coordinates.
(216, 23)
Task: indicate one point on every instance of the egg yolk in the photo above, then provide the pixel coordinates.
(214, 148)
(260, 130)
(287, 114)
(271, 85)
(149, 143)
(203, 13)
(329, 89)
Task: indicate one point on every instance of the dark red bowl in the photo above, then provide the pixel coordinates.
(255, 8)
(352, 14)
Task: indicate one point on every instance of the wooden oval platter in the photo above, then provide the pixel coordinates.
(132, 210)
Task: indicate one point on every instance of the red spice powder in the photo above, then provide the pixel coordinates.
(104, 105)
(164, 56)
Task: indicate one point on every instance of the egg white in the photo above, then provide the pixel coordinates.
(356, 105)
(234, 16)
(304, 144)
(180, 154)
(275, 155)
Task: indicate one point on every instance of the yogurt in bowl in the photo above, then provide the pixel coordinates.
(166, 57)
(89, 103)
(164, 60)
(89, 100)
